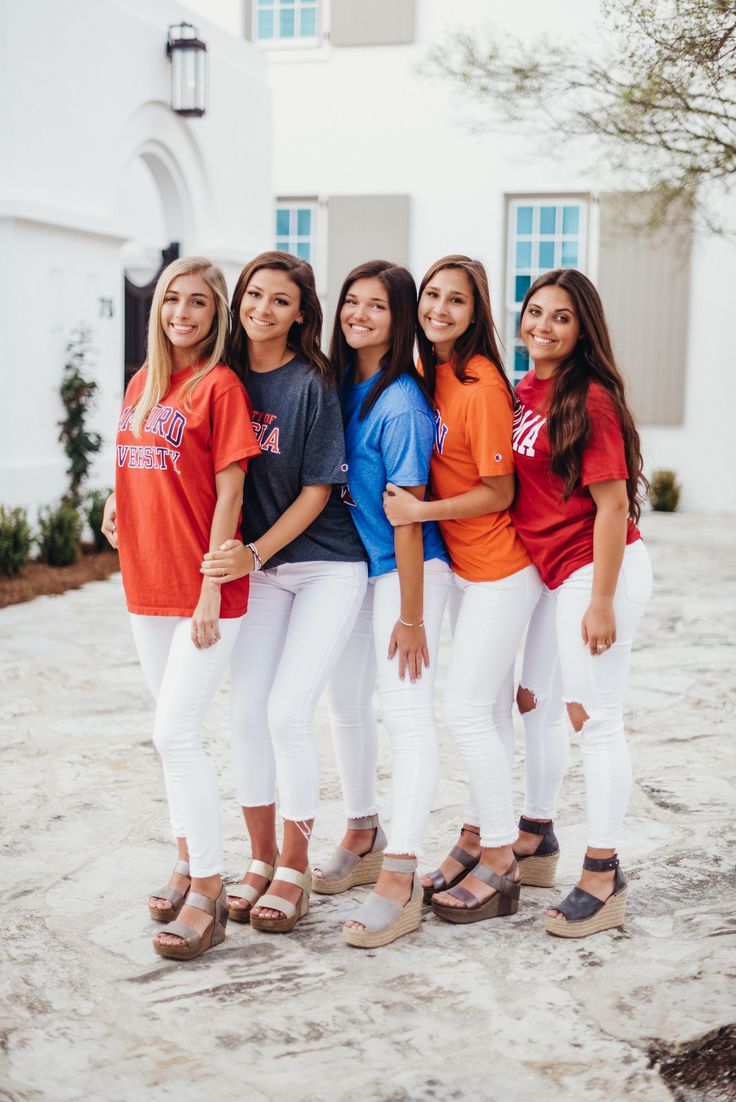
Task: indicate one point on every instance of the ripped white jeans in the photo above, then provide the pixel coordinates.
(559, 669)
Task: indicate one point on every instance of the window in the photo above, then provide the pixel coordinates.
(543, 234)
(295, 229)
(279, 21)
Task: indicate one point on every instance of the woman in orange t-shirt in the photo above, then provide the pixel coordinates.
(183, 444)
(496, 586)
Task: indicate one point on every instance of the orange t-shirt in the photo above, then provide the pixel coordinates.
(165, 489)
(473, 423)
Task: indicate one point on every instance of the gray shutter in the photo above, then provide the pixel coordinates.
(359, 228)
(247, 6)
(371, 22)
(644, 280)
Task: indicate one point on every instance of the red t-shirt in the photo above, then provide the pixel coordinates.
(165, 489)
(558, 534)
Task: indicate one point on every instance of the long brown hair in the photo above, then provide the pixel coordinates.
(568, 423)
(479, 339)
(401, 291)
(303, 338)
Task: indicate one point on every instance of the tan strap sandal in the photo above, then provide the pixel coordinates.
(504, 900)
(383, 920)
(248, 892)
(346, 869)
(194, 943)
(175, 898)
(290, 913)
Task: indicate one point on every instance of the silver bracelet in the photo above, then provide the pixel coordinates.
(419, 625)
(256, 557)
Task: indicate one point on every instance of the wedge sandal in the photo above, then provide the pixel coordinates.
(539, 869)
(290, 912)
(349, 870)
(385, 921)
(468, 862)
(582, 914)
(504, 901)
(174, 898)
(194, 943)
(248, 891)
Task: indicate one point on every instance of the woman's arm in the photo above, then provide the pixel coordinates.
(229, 488)
(236, 560)
(109, 526)
(609, 540)
(491, 496)
(409, 637)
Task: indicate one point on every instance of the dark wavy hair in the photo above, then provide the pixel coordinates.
(401, 291)
(303, 339)
(568, 423)
(479, 339)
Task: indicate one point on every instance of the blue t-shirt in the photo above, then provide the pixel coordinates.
(392, 444)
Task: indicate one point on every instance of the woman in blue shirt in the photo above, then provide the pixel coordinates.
(389, 434)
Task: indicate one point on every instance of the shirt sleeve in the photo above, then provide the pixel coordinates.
(323, 460)
(604, 459)
(233, 439)
(406, 448)
(488, 429)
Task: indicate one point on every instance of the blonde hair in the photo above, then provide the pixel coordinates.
(208, 354)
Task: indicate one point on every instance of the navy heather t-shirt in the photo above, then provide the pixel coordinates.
(298, 423)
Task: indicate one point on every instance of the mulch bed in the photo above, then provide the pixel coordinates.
(37, 579)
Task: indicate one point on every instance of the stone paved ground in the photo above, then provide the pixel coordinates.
(479, 1012)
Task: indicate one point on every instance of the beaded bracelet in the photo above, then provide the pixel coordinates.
(406, 625)
(256, 557)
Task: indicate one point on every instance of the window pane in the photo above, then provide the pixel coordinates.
(265, 24)
(521, 360)
(523, 254)
(282, 223)
(303, 250)
(304, 222)
(517, 321)
(523, 219)
(569, 254)
(571, 220)
(286, 3)
(282, 246)
(521, 285)
(265, 3)
(546, 255)
(286, 24)
(309, 22)
(547, 217)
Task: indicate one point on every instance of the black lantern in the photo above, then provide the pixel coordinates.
(188, 56)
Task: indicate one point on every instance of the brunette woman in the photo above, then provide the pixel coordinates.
(495, 585)
(183, 443)
(579, 468)
(308, 578)
(389, 431)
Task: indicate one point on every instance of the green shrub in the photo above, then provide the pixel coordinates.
(15, 540)
(664, 492)
(95, 507)
(78, 393)
(60, 534)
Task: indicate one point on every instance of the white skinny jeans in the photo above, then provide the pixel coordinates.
(407, 709)
(487, 630)
(183, 681)
(559, 669)
(300, 616)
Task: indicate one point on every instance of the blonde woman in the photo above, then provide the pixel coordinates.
(184, 440)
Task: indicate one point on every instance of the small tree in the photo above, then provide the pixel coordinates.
(78, 394)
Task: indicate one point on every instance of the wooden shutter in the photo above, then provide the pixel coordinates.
(372, 22)
(363, 227)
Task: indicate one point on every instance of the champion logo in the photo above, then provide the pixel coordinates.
(498, 457)
(344, 468)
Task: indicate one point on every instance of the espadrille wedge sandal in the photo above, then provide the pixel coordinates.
(504, 900)
(194, 943)
(582, 914)
(290, 912)
(174, 898)
(248, 892)
(383, 920)
(538, 869)
(346, 869)
(468, 862)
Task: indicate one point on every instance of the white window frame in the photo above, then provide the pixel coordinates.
(316, 239)
(536, 201)
(297, 42)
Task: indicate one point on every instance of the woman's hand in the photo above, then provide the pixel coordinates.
(233, 560)
(411, 643)
(109, 526)
(400, 506)
(598, 628)
(206, 617)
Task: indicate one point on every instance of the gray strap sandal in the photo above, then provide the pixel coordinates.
(194, 943)
(248, 892)
(383, 920)
(503, 901)
(346, 869)
(171, 895)
(290, 912)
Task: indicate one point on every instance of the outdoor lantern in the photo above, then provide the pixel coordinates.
(188, 56)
